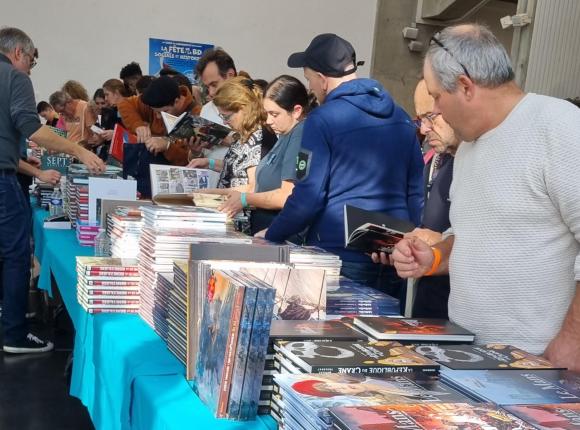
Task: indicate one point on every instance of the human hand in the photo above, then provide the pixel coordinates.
(91, 160)
(143, 133)
(156, 144)
(564, 351)
(33, 161)
(107, 134)
(49, 176)
(430, 237)
(382, 258)
(261, 233)
(199, 163)
(232, 205)
(412, 258)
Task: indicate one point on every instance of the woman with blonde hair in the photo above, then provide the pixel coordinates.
(76, 90)
(239, 102)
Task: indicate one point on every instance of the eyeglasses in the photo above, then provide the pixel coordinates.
(428, 119)
(226, 118)
(435, 40)
(31, 60)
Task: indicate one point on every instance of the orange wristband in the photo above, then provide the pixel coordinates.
(436, 261)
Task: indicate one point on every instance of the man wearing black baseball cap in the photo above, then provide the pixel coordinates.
(358, 148)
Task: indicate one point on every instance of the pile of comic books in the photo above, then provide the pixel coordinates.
(108, 285)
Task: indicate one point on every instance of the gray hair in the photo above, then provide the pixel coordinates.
(59, 98)
(12, 38)
(473, 47)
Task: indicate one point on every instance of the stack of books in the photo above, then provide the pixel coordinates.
(177, 313)
(86, 233)
(315, 258)
(124, 227)
(107, 285)
(233, 343)
(349, 298)
(167, 235)
(305, 399)
(43, 194)
(427, 416)
(165, 285)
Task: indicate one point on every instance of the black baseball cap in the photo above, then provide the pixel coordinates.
(161, 92)
(328, 54)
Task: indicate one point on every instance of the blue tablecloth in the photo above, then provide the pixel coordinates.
(122, 370)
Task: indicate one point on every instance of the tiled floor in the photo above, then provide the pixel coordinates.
(34, 390)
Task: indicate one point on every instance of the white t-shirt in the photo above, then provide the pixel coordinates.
(515, 214)
(210, 112)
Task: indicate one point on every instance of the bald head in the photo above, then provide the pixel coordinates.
(423, 101)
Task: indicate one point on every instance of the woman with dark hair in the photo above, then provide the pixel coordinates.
(286, 104)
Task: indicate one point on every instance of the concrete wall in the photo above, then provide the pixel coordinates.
(91, 40)
(395, 66)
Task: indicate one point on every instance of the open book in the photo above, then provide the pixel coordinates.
(176, 179)
(369, 231)
(187, 125)
(190, 199)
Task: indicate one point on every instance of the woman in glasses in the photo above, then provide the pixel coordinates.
(239, 102)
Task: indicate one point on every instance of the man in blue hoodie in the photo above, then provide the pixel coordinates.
(358, 148)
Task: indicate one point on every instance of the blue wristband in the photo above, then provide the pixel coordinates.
(211, 163)
(243, 200)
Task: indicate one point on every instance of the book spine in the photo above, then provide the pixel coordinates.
(112, 311)
(112, 292)
(242, 352)
(224, 390)
(112, 302)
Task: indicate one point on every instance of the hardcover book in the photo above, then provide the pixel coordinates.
(373, 358)
(516, 386)
(442, 416)
(407, 329)
(482, 357)
(186, 126)
(313, 330)
(369, 231)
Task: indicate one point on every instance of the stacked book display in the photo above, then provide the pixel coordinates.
(177, 315)
(167, 235)
(86, 233)
(107, 285)
(234, 331)
(124, 227)
(165, 284)
(43, 194)
(314, 258)
(76, 192)
(305, 399)
(348, 298)
(426, 416)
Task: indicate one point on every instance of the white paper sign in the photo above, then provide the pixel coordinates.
(110, 189)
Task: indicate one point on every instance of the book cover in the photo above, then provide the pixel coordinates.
(373, 358)
(320, 392)
(314, 330)
(120, 136)
(187, 125)
(516, 386)
(369, 231)
(418, 329)
(222, 308)
(442, 416)
(549, 417)
(482, 357)
(167, 179)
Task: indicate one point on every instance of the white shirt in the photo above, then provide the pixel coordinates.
(515, 214)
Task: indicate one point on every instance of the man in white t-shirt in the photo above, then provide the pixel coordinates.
(513, 250)
(213, 68)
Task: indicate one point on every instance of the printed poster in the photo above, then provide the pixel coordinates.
(176, 55)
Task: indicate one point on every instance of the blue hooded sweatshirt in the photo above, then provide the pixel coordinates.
(361, 149)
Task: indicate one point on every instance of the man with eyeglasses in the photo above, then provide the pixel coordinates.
(18, 120)
(513, 250)
(433, 291)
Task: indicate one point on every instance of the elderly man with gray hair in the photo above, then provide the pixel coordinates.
(19, 120)
(513, 250)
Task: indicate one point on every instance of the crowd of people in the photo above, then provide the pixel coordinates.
(497, 243)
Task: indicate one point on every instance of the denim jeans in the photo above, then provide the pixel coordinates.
(377, 276)
(15, 228)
